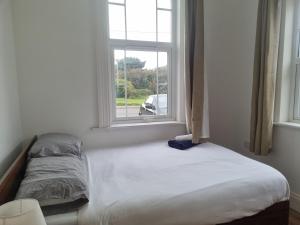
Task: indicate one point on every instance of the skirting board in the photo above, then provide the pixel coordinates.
(295, 202)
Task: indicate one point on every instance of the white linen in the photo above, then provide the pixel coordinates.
(153, 184)
(70, 218)
(187, 137)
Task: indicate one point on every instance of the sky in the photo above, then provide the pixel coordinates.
(141, 25)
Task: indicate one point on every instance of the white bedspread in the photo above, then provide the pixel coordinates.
(153, 184)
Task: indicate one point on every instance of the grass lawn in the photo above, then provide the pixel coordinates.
(130, 101)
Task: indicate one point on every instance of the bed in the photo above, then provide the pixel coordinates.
(156, 185)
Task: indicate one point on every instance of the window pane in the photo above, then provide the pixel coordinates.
(141, 20)
(116, 22)
(162, 83)
(117, 1)
(298, 39)
(141, 75)
(164, 25)
(164, 4)
(120, 83)
(138, 94)
(297, 94)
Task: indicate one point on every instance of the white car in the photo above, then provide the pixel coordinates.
(155, 105)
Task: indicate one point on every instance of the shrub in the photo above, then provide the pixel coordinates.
(120, 88)
(142, 93)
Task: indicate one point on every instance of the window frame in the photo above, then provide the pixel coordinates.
(153, 46)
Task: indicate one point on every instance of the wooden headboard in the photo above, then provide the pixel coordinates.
(11, 180)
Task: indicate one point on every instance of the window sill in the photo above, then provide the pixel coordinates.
(293, 125)
(139, 125)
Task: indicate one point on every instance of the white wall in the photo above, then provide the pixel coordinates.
(230, 37)
(230, 41)
(10, 123)
(56, 49)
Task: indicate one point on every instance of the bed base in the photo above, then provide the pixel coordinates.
(277, 214)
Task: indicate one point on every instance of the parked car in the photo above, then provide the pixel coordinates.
(155, 105)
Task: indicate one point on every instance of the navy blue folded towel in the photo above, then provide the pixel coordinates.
(181, 145)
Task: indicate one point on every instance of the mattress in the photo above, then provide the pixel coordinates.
(153, 184)
(70, 218)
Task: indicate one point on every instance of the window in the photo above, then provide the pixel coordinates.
(142, 48)
(296, 111)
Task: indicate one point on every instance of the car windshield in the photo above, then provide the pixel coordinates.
(149, 100)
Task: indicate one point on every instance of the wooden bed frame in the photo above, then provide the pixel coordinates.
(277, 214)
(10, 182)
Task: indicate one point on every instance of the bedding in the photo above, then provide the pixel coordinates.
(152, 184)
(56, 144)
(60, 184)
(70, 218)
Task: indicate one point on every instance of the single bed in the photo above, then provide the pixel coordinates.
(156, 185)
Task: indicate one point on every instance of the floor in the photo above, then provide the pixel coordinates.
(294, 218)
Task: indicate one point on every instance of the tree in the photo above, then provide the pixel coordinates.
(131, 63)
(120, 88)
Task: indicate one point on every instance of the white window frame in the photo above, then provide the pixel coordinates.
(170, 48)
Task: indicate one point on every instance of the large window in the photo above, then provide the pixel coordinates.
(296, 111)
(142, 65)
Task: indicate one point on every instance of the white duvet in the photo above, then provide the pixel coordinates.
(153, 184)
